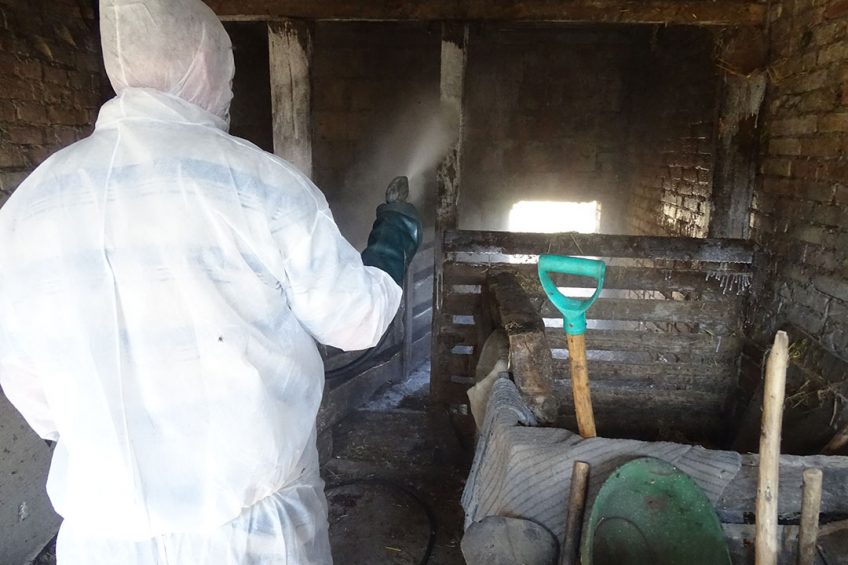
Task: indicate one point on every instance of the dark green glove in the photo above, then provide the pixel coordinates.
(394, 239)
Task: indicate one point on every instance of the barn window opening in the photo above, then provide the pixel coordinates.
(545, 216)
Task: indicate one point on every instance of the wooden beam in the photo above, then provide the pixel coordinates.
(742, 89)
(290, 52)
(530, 359)
(454, 55)
(620, 309)
(700, 345)
(668, 343)
(681, 379)
(738, 500)
(642, 413)
(595, 245)
(684, 12)
(831, 544)
(617, 278)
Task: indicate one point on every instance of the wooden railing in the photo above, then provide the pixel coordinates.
(418, 317)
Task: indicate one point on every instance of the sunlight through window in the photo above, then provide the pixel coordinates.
(553, 217)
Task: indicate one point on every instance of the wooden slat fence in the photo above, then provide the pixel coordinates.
(663, 341)
(418, 307)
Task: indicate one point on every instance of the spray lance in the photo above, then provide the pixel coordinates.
(398, 190)
(395, 238)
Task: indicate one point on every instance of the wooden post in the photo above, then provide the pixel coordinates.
(766, 549)
(810, 506)
(580, 386)
(574, 520)
(290, 53)
(452, 84)
(742, 89)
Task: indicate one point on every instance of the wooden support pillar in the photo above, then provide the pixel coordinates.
(452, 84)
(742, 88)
(290, 54)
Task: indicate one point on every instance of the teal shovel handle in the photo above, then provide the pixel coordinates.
(573, 309)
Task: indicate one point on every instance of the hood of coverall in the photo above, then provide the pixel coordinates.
(178, 47)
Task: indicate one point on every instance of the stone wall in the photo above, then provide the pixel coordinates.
(50, 84)
(671, 144)
(800, 211)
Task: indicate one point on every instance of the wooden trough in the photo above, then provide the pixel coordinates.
(523, 470)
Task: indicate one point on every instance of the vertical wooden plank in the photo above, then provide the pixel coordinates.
(454, 56)
(742, 89)
(408, 330)
(290, 53)
(530, 358)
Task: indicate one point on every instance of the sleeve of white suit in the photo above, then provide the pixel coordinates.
(340, 301)
(24, 390)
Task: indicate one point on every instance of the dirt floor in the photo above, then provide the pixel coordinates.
(412, 465)
(396, 473)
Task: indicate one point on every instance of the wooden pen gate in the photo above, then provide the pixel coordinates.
(663, 341)
(404, 350)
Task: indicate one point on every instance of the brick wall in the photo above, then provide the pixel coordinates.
(50, 82)
(800, 214)
(375, 96)
(545, 120)
(671, 148)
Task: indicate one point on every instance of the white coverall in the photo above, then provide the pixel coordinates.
(162, 285)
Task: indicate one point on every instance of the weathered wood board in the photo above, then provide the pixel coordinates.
(530, 357)
(341, 399)
(648, 247)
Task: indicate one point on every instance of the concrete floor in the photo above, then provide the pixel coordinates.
(395, 444)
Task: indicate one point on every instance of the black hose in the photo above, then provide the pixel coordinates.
(409, 493)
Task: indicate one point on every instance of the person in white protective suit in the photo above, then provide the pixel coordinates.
(162, 287)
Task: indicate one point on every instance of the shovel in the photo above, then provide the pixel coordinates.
(574, 323)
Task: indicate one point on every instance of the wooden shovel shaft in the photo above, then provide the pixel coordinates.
(580, 385)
